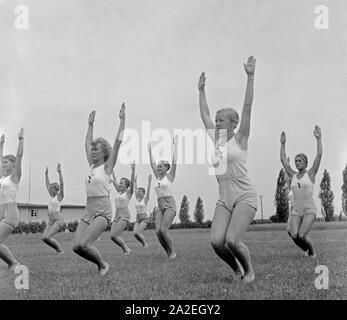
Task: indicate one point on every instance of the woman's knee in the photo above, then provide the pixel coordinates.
(45, 238)
(292, 234)
(302, 235)
(217, 241)
(232, 241)
(80, 246)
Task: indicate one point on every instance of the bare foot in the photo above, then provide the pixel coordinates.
(104, 269)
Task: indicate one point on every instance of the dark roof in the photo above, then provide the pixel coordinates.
(35, 205)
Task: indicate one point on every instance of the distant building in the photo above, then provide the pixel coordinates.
(39, 212)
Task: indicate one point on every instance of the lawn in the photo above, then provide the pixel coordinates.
(282, 272)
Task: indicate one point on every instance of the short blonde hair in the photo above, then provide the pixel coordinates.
(105, 146)
(230, 113)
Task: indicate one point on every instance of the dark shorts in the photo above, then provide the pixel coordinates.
(98, 207)
(9, 214)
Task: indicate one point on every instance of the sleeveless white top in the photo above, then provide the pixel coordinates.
(141, 207)
(302, 190)
(235, 159)
(122, 200)
(164, 187)
(54, 205)
(98, 182)
(8, 190)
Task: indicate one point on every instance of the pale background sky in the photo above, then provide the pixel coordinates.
(82, 55)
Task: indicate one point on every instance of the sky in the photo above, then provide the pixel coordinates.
(78, 56)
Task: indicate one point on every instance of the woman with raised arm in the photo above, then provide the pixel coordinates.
(237, 203)
(55, 219)
(9, 184)
(125, 190)
(102, 160)
(166, 202)
(142, 198)
(304, 211)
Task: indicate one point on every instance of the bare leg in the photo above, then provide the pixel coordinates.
(166, 222)
(305, 228)
(49, 232)
(5, 253)
(138, 228)
(242, 217)
(221, 220)
(293, 227)
(85, 236)
(158, 221)
(116, 230)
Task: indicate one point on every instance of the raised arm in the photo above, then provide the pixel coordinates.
(204, 110)
(171, 175)
(16, 175)
(152, 161)
(148, 191)
(111, 162)
(89, 137)
(2, 141)
(245, 123)
(47, 181)
(131, 187)
(61, 182)
(114, 181)
(289, 171)
(318, 134)
(135, 183)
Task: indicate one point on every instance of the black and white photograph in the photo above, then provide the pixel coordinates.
(187, 150)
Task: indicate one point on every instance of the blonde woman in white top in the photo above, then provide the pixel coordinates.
(10, 176)
(166, 202)
(303, 209)
(142, 198)
(125, 190)
(102, 159)
(55, 218)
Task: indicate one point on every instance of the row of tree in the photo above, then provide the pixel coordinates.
(326, 197)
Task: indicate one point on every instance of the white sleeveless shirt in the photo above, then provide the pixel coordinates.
(8, 190)
(141, 207)
(164, 187)
(122, 200)
(54, 205)
(98, 182)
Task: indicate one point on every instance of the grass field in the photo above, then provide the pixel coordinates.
(282, 272)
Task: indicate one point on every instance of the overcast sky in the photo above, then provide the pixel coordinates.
(82, 55)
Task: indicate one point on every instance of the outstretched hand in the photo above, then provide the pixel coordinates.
(150, 178)
(91, 117)
(46, 172)
(2, 139)
(317, 132)
(122, 112)
(283, 137)
(149, 147)
(59, 167)
(133, 165)
(202, 81)
(250, 65)
(21, 134)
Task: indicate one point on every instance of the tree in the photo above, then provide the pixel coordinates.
(327, 197)
(184, 211)
(281, 197)
(344, 191)
(199, 211)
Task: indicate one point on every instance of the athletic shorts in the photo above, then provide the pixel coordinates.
(166, 204)
(9, 214)
(304, 211)
(98, 207)
(142, 217)
(122, 214)
(234, 191)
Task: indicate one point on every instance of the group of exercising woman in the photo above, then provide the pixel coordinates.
(235, 207)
